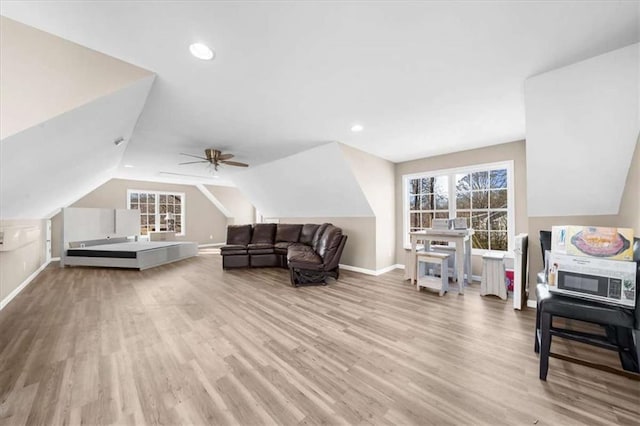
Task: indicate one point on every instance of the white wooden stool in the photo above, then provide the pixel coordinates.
(424, 259)
(493, 278)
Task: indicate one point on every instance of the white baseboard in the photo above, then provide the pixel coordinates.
(210, 245)
(4, 302)
(532, 304)
(371, 271)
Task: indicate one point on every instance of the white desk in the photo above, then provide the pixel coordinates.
(462, 239)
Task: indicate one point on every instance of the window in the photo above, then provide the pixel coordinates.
(482, 194)
(159, 211)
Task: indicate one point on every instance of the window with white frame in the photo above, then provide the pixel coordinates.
(159, 211)
(483, 194)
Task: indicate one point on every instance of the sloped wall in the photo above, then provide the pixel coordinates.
(629, 216)
(42, 76)
(314, 183)
(241, 209)
(53, 164)
(582, 125)
(376, 178)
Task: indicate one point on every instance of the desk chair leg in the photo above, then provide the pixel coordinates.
(536, 344)
(545, 344)
(636, 340)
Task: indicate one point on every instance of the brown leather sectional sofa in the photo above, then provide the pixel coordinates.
(311, 251)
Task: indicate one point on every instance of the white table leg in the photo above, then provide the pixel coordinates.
(413, 264)
(460, 262)
(467, 258)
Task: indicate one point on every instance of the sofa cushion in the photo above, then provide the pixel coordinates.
(263, 233)
(319, 233)
(260, 248)
(233, 250)
(283, 246)
(238, 235)
(288, 232)
(304, 258)
(307, 233)
(233, 247)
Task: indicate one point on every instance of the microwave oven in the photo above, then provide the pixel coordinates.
(603, 280)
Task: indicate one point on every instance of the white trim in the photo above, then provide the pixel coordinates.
(214, 200)
(511, 207)
(532, 304)
(183, 206)
(371, 271)
(4, 302)
(210, 245)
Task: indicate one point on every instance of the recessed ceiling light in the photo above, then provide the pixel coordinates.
(201, 51)
(357, 128)
(128, 166)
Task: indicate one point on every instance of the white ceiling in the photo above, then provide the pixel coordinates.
(423, 78)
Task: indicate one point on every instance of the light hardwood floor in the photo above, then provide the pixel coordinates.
(187, 343)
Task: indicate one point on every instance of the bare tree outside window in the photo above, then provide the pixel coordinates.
(158, 211)
(481, 197)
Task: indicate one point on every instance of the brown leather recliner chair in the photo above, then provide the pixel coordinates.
(314, 264)
(235, 254)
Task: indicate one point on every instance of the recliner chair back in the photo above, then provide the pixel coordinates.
(636, 258)
(238, 234)
(328, 242)
(545, 242)
(332, 261)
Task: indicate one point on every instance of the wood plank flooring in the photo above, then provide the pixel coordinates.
(188, 343)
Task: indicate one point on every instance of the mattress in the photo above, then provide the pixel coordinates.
(127, 250)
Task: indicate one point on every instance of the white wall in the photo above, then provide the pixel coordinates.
(582, 125)
(314, 183)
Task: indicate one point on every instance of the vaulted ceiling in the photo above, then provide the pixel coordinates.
(423, 78)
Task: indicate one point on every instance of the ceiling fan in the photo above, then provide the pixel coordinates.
(215, 158)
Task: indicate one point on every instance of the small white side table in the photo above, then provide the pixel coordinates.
(429, 281)
(493, 278)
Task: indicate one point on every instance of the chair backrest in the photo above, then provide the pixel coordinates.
(332, 262)
(264, 233)
(636, 257)
(307, 233)
(239, 234)
(545, 242)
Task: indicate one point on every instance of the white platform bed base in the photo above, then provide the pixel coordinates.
(103, 237)
(137, 255)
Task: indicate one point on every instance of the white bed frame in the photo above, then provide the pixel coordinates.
(86, 227)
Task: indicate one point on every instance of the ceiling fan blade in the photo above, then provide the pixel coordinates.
(193, 162)
(225, 156)
(234, 163)
(194, 156)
